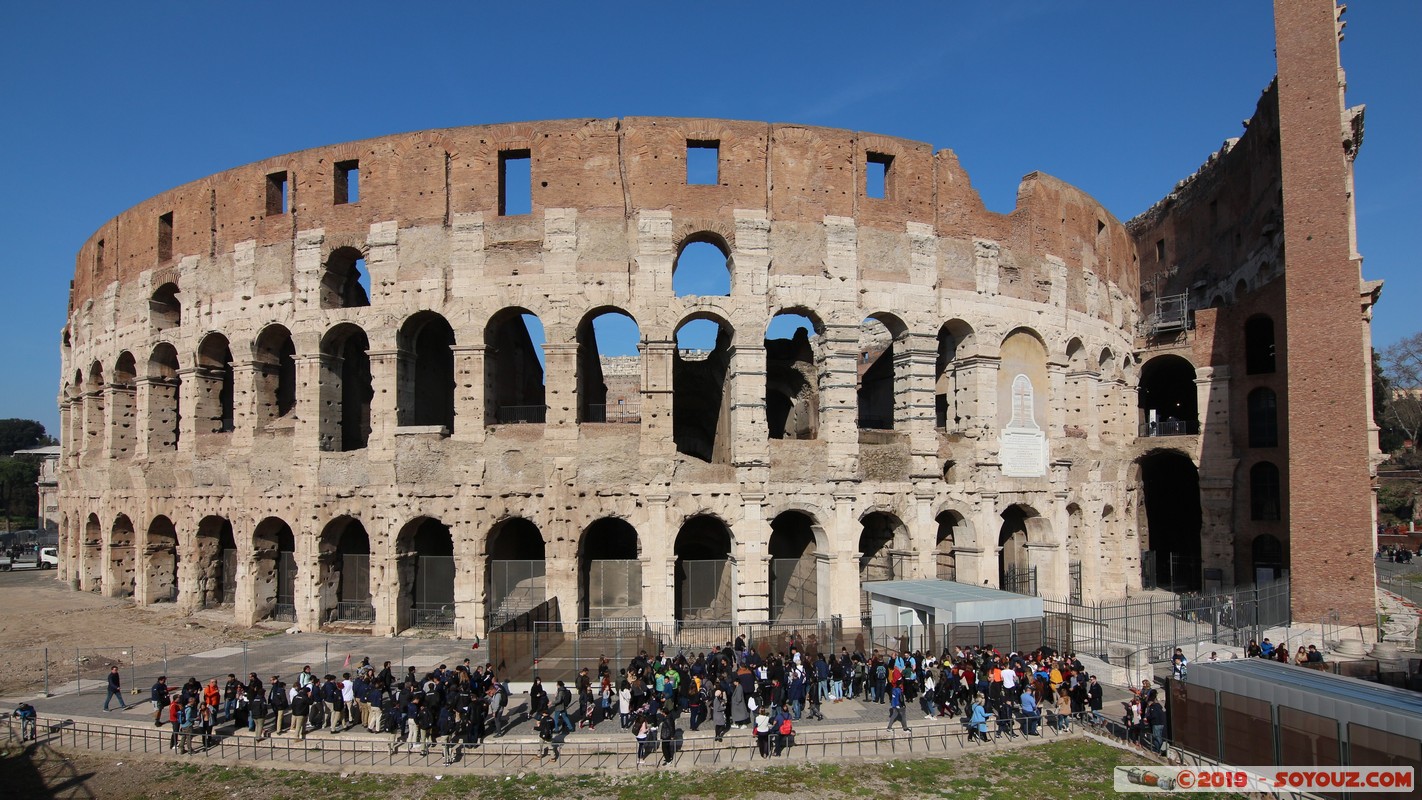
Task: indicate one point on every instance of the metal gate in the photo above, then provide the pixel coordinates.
(794, 588)
(1074, 575)
(353, 592)
(1020, 580)
(704, 589)
(285, 608)
(433, 605)
(614, 588)
(515, 589)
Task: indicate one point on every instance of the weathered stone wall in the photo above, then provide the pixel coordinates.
(610, 212)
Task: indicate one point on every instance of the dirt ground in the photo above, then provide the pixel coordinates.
(38, 612)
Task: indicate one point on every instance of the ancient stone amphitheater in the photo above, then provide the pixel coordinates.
(363, 384)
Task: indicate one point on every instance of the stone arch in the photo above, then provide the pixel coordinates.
(701, 392)
(796, 540)
(792, 376)
(92, 571)
(1268, 559)
(953, 402)
(346, 389)
(514, 386)
(425, 372)
(164, 422)
(1167, 397)
(344, 279)
(214, 410)
(274, 362)
(424, 553)
(165, 309)
(516, 585)
(160, 561)
(274, 572)
(953, 529)
(122, 575)
(123, 433)
(609, 386)
(883, 549)
(215, 560)
(703, 266)
(1023, 390)
(1021, 526)
(344, 582)
(1170, 487)
(882, 383)
(609, 571)
(704, 578)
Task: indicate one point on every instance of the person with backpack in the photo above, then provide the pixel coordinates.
(666, 732)
(562, 698)
(761, 729)
(187, 722)
(277, 702)
(300, 705)
(896, 709)
(158, 696)
(784, 731)
(881, 678)
(642, 731)
(257, 715)
(28, 717)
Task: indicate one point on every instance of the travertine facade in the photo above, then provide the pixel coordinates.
(249, 424)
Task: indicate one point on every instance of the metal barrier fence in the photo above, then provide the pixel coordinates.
(516, 587)
(614, 589)
(806, 746)
(1164, 623)
(622, 412)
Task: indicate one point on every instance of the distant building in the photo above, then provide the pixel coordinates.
(48, 485)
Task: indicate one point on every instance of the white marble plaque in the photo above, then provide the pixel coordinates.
(1024, 447)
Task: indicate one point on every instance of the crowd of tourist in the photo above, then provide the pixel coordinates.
(654, 698)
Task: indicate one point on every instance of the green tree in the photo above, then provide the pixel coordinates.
(18, 497)
(1402, 363)
(20, 434)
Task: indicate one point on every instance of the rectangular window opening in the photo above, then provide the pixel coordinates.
(515, 183)
(703, 158)
(1160, 250)
(347, 182)
(99, 257)
(165, 237)
(876, 175)
(277, 195)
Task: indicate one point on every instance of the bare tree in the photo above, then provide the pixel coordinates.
(1402, 361)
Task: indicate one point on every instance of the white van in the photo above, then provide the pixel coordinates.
(48, 558)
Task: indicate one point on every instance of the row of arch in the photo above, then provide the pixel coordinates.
(514, 383)
(343, 572)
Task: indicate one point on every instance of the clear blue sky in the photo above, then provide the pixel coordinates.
(106, 104)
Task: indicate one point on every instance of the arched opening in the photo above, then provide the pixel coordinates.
(165, 310)
(513, 369)
(92, 577)
(344, 281)
(425, 561)
(122, 574)
(950, 526)
(952, 395)
(1076, 548)
(609, 571)
(345, 572)
(702, 267)
(274, 570)
(794, 568)
(216, 561)
(1259, 345)
(346, 389)
(1264, 493)
(164, 419)
(1263, 418)
(1167, 398)
(124, 435)
(704, 579)
(517, 586)
(94, 409)
(609, 368)
(274, 362)
(1014, 570)
(1170, 485)
(214, 377)
(160, 558)
(883, 551)
(878, 374)
(701, 400)
(1267, 558)
(793, 361)
(425, 372)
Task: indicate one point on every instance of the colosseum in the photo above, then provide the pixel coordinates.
(372, 384)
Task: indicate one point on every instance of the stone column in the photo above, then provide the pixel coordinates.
(95, 420)
(560, 390)
(915, 356)
(189, 392)
(122, 425)
(307, 441)
(658, 558)
(247, 402)
(923, 534)
(384, 367)
(469, 416)
(1056, 400)
(978, 384)
(977, 562)
(844, 543)
(656, 434)
(560, 570)
(839, 403)
(750, 434)
(751, 558)
(385, 593)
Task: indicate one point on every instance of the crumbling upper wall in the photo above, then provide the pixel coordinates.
(610, 169)
(1222, 224)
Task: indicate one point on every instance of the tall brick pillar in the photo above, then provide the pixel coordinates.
(1329, 490)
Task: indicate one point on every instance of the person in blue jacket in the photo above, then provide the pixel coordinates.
(977, 720)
